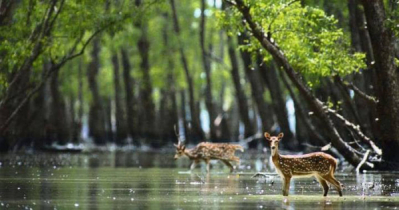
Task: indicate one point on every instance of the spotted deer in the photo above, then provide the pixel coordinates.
(207, 151)
(317, 164)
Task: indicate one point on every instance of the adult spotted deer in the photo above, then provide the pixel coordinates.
(206, 152)
(318, 164)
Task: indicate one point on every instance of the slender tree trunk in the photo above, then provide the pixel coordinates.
(37, 128)
(269, 75)
(382, 40)
(196, 130)
(353, 25)
(257, 88)
(58, 110)
(162, 120)
(108, 119)
(148, 105)
(171, 118)
(80, 99)
(239, 92)
(207, 67)
(183, 114)
(366, 80)
(96, 115)
(121, 132)
(131, 106)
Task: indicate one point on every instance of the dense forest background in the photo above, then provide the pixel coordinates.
(128, 71)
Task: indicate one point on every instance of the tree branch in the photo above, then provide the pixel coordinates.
(357, 130)
(360, 93)
(365, 157)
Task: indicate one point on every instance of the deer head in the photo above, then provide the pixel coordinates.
(180, 148)
(274, 140)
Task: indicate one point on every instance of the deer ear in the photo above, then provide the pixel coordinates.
(183, 147)
(176, 145)
(280, 136)
(267, 136)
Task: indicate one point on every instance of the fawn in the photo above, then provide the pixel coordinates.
(209, 151)
(317, 164)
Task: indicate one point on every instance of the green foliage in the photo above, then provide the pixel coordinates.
(310, 39)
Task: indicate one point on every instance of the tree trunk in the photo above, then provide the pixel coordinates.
(39, 107)
(196, 130)
(131, 107)
(96, 115)
(269, 75)
(58, 111)
(171, 119)
(239, 92)
(257, 88)
(80, 98)
(183, 115)
(143, 45)
(110, 137)
(366, 80)
(207, 67)
(353, 25)
(121, 132)
(382, 40)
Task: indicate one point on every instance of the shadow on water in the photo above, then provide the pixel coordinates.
(153, 180)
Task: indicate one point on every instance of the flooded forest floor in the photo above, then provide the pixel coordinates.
(154, 180)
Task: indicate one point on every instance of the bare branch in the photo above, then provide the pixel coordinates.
(360, 93)
(365, 157)
(251, 138)
(356, 129)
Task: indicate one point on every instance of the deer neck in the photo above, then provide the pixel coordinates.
(276, 158)
(189, 153)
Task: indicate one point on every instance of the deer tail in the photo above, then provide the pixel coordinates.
(239, 147)
(333, 167)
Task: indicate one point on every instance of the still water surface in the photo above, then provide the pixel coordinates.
(149, 180)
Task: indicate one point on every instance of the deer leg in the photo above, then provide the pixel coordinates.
(324, 185)
(195, 162)
(236, 159)
(334, 182)
(229, 165)
(286, 185)
(208, 165)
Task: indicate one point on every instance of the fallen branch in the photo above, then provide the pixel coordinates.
(364, 161)
(357, 130)
(251, 138)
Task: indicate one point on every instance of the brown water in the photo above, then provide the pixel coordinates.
(148, 180)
